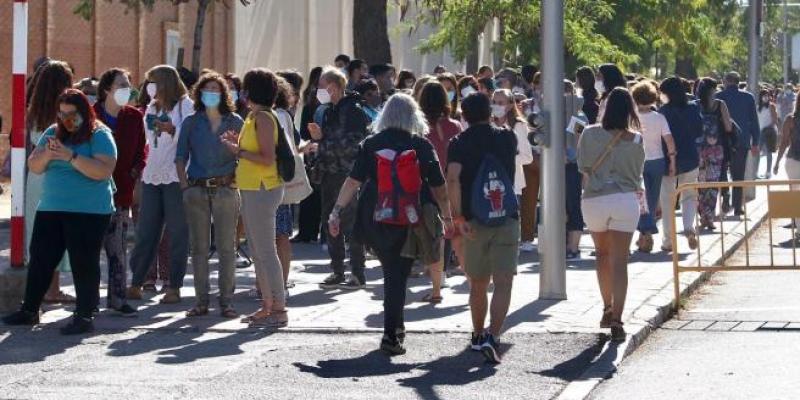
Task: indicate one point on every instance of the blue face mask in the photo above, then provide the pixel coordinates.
(210, 99)
(451, 95)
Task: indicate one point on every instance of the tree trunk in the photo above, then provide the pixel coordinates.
(684, 67)
(370, 34)
(199, 25)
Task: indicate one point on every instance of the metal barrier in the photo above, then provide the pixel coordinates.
(781, 204)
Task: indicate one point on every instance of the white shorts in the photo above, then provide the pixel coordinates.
(612, 212)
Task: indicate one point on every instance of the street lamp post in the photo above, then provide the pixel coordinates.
(552, 245)
(754, 57)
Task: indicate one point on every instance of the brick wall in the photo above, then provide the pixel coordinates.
(112, 39)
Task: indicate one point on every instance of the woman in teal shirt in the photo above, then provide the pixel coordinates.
(77, 158)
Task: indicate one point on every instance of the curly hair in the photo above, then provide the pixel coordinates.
(226, 105)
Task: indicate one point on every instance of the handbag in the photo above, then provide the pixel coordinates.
(299, 187)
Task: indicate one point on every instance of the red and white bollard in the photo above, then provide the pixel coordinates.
(19, 66)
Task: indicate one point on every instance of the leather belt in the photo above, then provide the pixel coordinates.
(216, 182)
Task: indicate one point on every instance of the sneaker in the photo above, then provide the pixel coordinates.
(354, 283)
(401, 335)
(527, 247)
(392, 347)
(172, 296)
(21, 317)
(489, 349)
(242, 262)
(78, 325)
(135, 292)
(332, 281)
(124, 311)
(475, 341)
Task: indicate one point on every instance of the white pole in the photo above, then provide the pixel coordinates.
(552, 239)
(753, 57)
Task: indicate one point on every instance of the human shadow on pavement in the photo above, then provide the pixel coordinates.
(227, 345)
(455, 370)
(422, 313)
(374, 363)
(25, 344)
(571, 369)
(531, 312)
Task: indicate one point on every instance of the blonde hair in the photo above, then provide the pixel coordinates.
(335, 76)
(170, 87)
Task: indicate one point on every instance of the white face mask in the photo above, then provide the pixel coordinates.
(323, 96)
(466, 91)
(92, 99)
(600, 87)
(498, 111)
(152, 89)
(122, 96)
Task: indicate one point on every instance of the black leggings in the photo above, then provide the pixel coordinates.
(82, 235)
(396, 270)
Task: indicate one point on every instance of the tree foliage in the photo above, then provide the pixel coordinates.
(686, 36)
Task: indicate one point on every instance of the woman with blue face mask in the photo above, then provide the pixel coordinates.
(208, 189)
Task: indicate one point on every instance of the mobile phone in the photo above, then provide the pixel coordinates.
(151, 121)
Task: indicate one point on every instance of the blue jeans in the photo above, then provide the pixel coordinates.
(654, 171)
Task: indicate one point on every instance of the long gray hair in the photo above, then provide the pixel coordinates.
(402, 112)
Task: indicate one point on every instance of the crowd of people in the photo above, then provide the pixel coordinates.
(443, 169)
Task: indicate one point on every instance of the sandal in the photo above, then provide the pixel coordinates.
(61, 297)
(229, 313)
(429, 298)
(258, 315)
(197, 311)
(276, 319)
(692, 238)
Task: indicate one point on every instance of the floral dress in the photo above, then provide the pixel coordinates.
(711, 160)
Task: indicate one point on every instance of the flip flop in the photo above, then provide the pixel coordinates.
(432, 299)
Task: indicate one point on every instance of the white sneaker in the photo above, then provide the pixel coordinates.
(527, 247)
(444, 280)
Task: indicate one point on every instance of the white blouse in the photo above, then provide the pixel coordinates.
(160, 167)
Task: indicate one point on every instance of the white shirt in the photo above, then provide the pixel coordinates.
(524, 156)
(764, 117)
(160, 167)
(654, 127)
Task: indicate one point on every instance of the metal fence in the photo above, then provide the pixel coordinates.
(782, 202)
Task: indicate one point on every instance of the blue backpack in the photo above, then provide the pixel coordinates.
(493, 198)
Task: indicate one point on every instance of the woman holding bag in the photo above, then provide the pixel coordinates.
(611, 158)
(262, 192)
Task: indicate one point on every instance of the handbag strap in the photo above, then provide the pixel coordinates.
(606, 152)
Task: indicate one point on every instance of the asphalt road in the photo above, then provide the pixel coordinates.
(187, 363)
(739, 338)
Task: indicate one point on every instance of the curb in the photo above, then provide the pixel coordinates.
(612, 354)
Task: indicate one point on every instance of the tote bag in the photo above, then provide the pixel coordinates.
(297, 189)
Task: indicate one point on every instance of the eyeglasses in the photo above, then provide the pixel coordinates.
(67, 115)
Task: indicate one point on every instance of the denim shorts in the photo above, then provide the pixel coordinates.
(284, 220)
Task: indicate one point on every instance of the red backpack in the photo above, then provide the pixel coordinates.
(399, 186)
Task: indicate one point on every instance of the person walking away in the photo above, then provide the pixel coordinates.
(162, 198)
(442, 129)
(127, 127)
(767, 122)
(506, 115)
(611, 157)
(480, 170)
(790, 145)
(47, 84)
(686, 125)
(343, 127)
(209, 189)
(262, 192)
(742, 107)
(399, 148)
(655, 133)
(76, 157)
(712, 157)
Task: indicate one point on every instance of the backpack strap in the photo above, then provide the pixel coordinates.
(606, 152)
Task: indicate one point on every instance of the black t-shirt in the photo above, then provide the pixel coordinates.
(366, 166)
(468, 149)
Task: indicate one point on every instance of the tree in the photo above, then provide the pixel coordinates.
(370, 32)
(85, 8)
